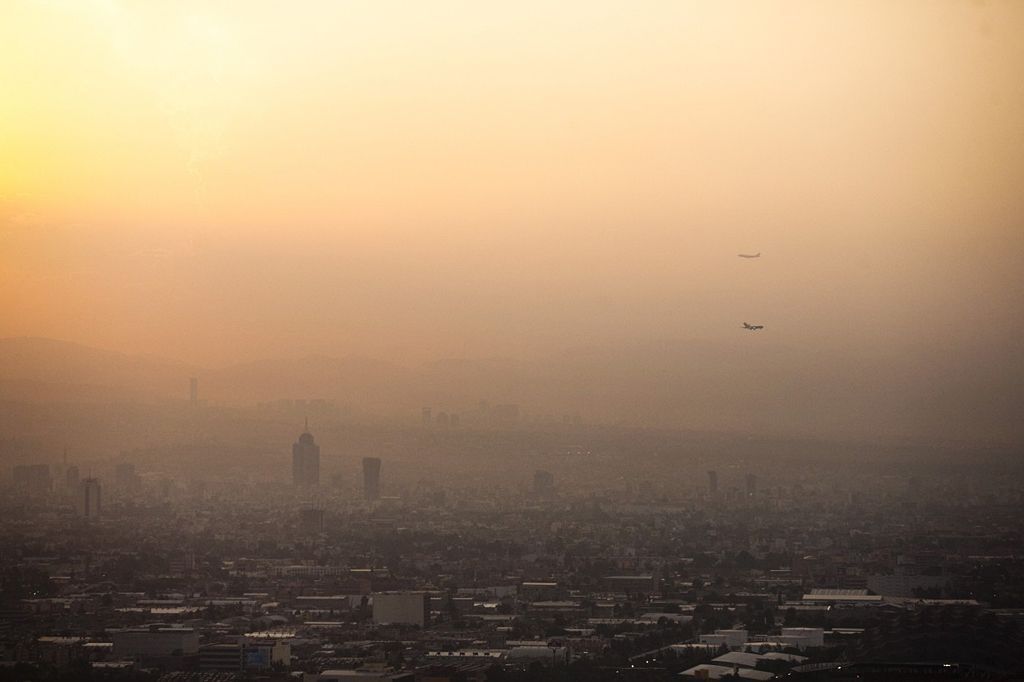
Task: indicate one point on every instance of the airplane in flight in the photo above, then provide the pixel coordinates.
(753, 327)
(749, 255)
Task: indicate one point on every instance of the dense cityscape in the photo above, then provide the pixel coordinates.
(461, 341)
(545, 549)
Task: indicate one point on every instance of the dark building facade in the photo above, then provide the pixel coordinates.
(305, 461)
(371, 478)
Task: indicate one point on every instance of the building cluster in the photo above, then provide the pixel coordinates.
(733, 571)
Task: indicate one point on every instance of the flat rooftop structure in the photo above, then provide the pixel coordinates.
(63, 641)
(714, 672)
(271, 634)
(609, 621)
(654, 617)
(838, 590)
(112, 665)
(154, 628)
(693, 646)
(848, 595)
(740, 658)
(780, 656)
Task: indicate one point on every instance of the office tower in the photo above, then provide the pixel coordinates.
(408, 608)
(91, 499)
(751, 485)
(453, 419)
(371, 478)
(426, 416)
(59, 473)
(305, 460)
(442, 419)
(193, 391)
(72, 479)
(543, 483)
(713, 482)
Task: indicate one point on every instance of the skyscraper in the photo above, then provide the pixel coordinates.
(91, 500)
(193, 391)
(371, 478)
(72, 480)
(751, 485)
(305, 460)
(713, 482)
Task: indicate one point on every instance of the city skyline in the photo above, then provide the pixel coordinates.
(449, 341)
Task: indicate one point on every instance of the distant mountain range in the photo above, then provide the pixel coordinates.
(39, 369)
(740, 386)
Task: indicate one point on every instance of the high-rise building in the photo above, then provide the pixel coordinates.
(72, 479)
(371, 478)
(751, 485)
(407, 608)
(91, 500)
(193, 391)
(426, 416)
(305, 461)
(713, 482)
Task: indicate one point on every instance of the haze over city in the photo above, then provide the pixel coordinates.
(580, 340)
(414, 183)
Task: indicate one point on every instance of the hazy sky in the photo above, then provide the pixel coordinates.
(219, 181)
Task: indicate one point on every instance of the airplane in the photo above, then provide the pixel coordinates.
(749, 255)
(753, 327)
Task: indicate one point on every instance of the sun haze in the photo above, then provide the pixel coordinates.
(218, 182)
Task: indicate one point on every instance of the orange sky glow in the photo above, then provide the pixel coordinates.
(220, 181)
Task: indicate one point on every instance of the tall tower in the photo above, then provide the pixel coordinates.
(371, 478)
(713, 482)
(305, 460)
(72, 479)
(91, 500)
(193, 392)
(751, 485)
